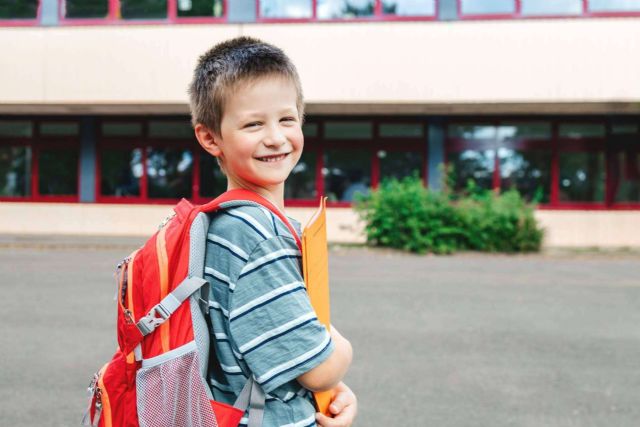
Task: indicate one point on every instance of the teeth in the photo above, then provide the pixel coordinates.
(272, 159)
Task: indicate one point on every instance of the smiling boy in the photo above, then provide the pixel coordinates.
(247, 111)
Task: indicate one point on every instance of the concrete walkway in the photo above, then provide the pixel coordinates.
(467, 340)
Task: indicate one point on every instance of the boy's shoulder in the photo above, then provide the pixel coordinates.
(247, 225)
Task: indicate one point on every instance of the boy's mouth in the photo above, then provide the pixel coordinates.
(273, 158)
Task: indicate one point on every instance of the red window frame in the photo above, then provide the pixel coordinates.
(377, 16)
(557, 145)
(586, 13)
(37, 142)
(114, 11)
(24, 22)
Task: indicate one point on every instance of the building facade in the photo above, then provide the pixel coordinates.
(538, 95)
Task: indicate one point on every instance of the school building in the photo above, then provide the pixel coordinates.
(543, 95)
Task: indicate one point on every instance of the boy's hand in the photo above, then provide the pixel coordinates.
(344, 408)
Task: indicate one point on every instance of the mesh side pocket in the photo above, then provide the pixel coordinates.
(171, 392)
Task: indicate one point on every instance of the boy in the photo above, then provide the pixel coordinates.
(247, 111)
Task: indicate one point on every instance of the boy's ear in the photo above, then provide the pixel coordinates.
(208, 140)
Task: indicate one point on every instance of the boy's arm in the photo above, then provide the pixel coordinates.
(330, 372)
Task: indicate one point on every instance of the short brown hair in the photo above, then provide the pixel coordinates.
(221, 69)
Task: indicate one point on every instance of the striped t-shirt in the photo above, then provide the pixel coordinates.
(263, 322)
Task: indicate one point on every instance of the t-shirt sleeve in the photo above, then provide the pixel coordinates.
(271, 320)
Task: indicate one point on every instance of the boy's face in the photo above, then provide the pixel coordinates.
(261, 135)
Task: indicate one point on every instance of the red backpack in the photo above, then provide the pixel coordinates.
(157, 377)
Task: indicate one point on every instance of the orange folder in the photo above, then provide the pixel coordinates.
(315, 266)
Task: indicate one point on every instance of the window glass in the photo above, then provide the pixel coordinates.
(143, 9)
(333, 9)
(472, 131)
(404, 130)
(348, 130)
(171, 129)
(614, 6)
(286, 8)
(120, 172)
(212, 181)
(581, 130)
(121, 129)
(476, 165)
(551, 7)
(85, 8)
(346, 172)
(310, 129)
(484, 7)
(17, 128)
(529, 172)
(210, 8)
(582, 177)
(624, 128)
(169, 173)
(627, 188)
(301, 183)
(409, 7)
(19, 9)
(400, 164)
(527, 130)
(59, 129)
(58, 171)
(15, 171)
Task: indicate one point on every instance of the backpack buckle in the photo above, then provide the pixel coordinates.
(156, 317)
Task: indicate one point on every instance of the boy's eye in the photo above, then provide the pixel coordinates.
(252, 124)
(289, 119)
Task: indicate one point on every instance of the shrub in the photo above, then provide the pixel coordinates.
(403, 214)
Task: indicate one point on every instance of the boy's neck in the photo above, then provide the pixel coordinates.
(274, 195)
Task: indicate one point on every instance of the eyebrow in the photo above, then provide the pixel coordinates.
(253, 114)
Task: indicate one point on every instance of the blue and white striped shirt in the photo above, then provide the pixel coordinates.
(263, 322)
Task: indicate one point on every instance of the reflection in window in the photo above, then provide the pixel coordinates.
(529, 172)
(409, 7)
(346, 172)
(525, 130)
(581, 130)
(18, 128)
(334, 9)
(212, 181)
(555, 7)
(301, 183)
(348, 130)
(403, 130)
(58, 171)
(18, 9)
(400, 164)
(472, 131)
(286, 8)
(59, 129)
(582, 177)
(143, 9)
(169, 173)
(484, 7)
(209, 8)
(15, 171)
(476, 165)
(627, 176)
(120, 172)
(614, 6)
(85, 8)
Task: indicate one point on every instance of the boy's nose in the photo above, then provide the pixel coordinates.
(275, 138)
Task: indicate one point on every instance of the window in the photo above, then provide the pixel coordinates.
(59, 129)
(122, 129)
(120, 172)
(409, 7)
(614, 6)
(143, 9)
(193, 8)
(171, 129)
(346, 172)
(169, 173)
(400, 164)
(529, 172)
(348, 130)
(19, 9)
(484, 7)
(16, 128)
(548, 7)
(581, 130)
(337, 9)
(212, 181)
(301, 183)
(627, 176)
(477, 165)
(15, 171)
(58, 171)
(86, 9)
(582, 177)
(402, 130)
(286, 9)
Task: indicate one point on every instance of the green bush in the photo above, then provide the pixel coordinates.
(403, 214)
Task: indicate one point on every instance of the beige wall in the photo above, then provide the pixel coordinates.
(606, 229)
(345, 67)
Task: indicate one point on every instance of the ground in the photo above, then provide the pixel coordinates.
(465, 340)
